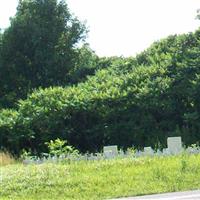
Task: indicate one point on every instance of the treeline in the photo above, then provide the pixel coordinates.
(128, 101)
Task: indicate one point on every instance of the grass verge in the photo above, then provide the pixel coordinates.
(104, 179)
(6, 159)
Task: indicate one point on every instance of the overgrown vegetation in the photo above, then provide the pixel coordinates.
(100, 179)
(51, 88)
(135, 101)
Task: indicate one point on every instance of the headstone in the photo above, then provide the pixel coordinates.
(44, 160)
(165, 152)
(174, 145)
(190, 150)
(193, 150)
(90, 157)
(27, 161)
(121, 153)
(61, 157)
(137, 154)
(110, 151)
(54, 159)
(158, 152)
(99, 156)
(85, 157)
(38, 161)
(148, 151)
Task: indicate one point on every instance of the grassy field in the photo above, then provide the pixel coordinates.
(100, 179)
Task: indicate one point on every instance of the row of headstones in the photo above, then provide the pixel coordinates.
(174, 147)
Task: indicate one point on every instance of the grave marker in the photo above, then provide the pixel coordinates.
(148, 151)
(110, 151)
(174, 145)
(165, 152)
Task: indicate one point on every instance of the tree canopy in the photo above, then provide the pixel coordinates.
(39, 48)
(133, 101)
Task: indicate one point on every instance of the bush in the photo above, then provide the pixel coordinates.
(60, 147)
(136, 102)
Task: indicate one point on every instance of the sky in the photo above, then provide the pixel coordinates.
(125, 27)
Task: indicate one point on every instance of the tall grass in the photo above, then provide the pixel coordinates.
(104, 179)
(6, 159)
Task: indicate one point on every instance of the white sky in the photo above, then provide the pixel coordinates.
(125, 27)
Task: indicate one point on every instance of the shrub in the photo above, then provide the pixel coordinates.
(59, 147)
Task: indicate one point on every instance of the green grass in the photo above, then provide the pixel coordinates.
(95, 180)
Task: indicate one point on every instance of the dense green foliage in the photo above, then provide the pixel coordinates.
(60, 147)
(39, 49)
(87, 63)
(97, 180)
(131, 101)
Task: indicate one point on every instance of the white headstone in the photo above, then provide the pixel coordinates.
(138, 153)
(190, 150)
(27, 161)
(110, 151)
(90, 157)
(158, 152)
(193, 150)
(174, 145)
(121, 153)
(148, 151)
(165, 152)
(99, 156)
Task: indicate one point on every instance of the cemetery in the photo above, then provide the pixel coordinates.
(82, 123)
(107, 175)
(174, 147)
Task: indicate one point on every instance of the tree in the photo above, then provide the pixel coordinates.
(39, 48)
(87, 64)
(198, 14)
(0, 64)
